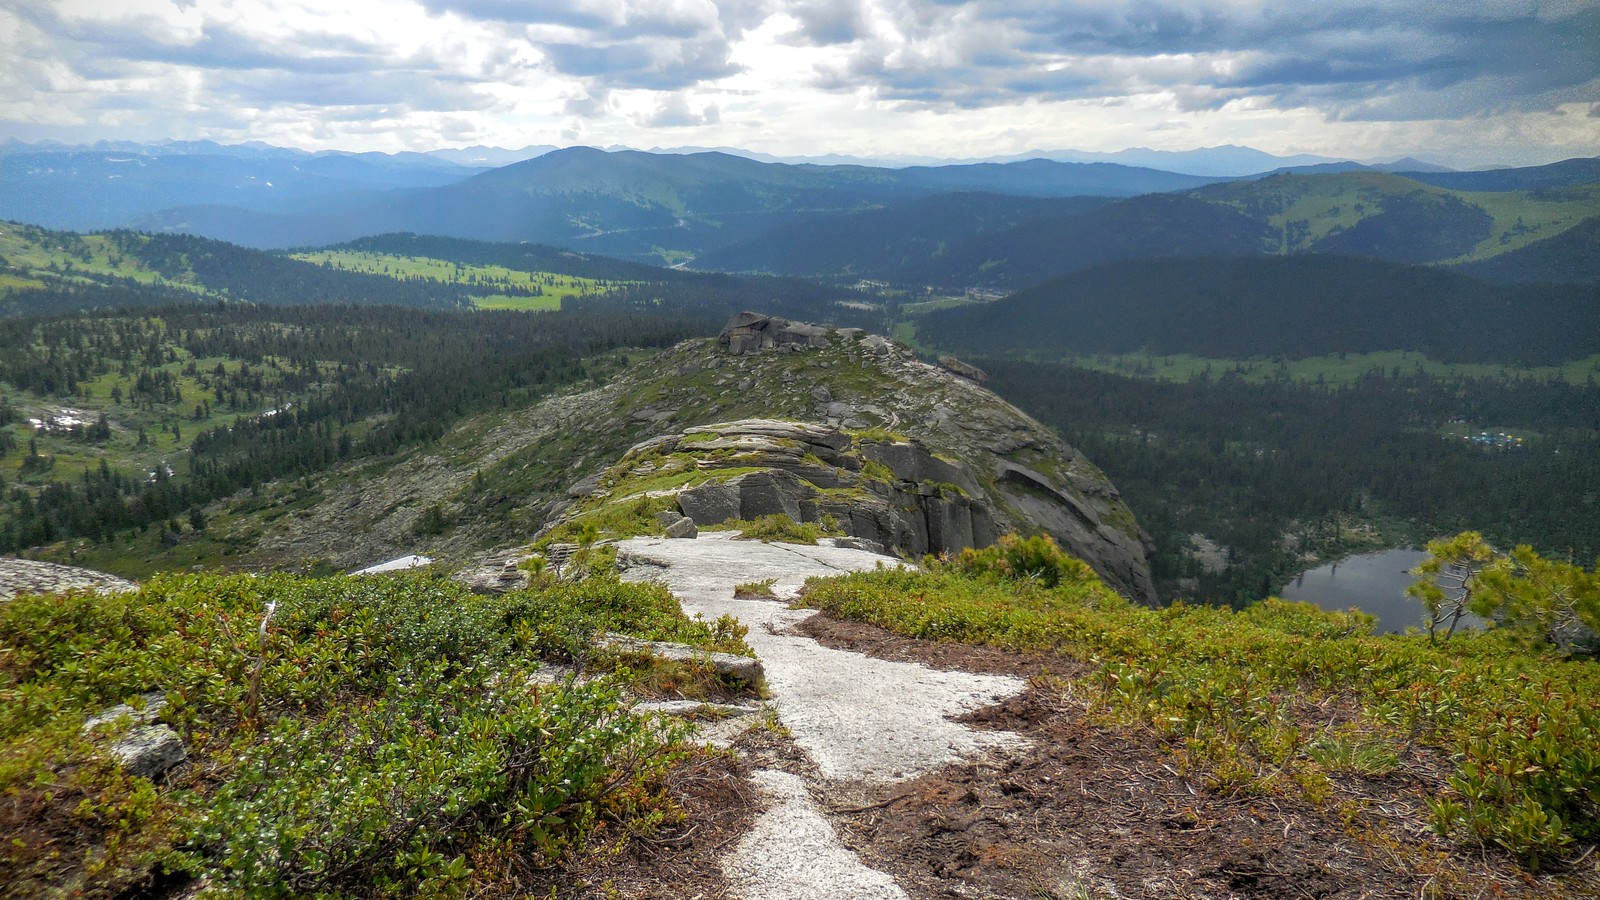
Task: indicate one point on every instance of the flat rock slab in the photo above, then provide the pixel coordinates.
(28, 576)
(858, 717)
(811, 864)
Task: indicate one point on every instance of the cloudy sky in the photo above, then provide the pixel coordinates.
(1463, 82)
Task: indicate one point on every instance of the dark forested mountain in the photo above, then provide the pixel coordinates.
(1150, 227)
(899, 242)
(1292, 307)
(1567, 173)
(1571, 257)
(1270, 470)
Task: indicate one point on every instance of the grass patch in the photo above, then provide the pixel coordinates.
(553, 288)
(1243, 695)
(777, 527)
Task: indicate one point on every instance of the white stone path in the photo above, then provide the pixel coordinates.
(859, 718)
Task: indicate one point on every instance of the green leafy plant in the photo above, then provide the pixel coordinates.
(381, 736)
(1242, 694)
(777, 527)
(756, 589)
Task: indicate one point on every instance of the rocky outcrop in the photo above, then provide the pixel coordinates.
(145, 749)
(885, 491)
(862, 403)
(28, 576)
(853, 431)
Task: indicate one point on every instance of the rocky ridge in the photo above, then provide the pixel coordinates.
(904, 456)
(499, 479)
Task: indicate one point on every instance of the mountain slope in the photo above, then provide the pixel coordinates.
(1571, 257)
(1150, 227)
(894, 242)
(1567, 173)
(1293, 307)
(1400, 218)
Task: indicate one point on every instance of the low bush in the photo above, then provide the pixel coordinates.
(1243, 694)
(778, 527)
(399, 742)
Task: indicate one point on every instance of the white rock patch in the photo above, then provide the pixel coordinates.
(858, 717)
(792, 854)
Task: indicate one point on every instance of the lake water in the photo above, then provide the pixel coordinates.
(1372, 582)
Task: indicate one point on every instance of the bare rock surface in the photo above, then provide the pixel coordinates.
(811, 864)
(860, 719)
(731, 665)
(28, 576)
(149, 750)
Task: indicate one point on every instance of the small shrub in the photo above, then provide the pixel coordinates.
(756, 590)
(777, 527)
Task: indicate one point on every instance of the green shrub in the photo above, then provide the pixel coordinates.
(778, 527)
(1243, 693)
(756, 589)
(398, 732)
(391, 797)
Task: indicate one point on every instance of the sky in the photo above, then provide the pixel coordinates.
(1459, 82)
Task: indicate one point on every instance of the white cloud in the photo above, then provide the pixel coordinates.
(1507, 79)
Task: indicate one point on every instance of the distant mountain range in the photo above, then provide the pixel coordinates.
(998, 224)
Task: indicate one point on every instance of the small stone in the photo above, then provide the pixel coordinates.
(668, 517)
(683, 528)
(821, 394)
(149, 750)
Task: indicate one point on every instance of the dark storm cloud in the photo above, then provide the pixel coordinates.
(1352, 58)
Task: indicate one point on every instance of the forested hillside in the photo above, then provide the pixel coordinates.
(48, 272)
(901, 242)
(188, 404)
(1291, 307)
(1572, 256)
(1272, 471)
